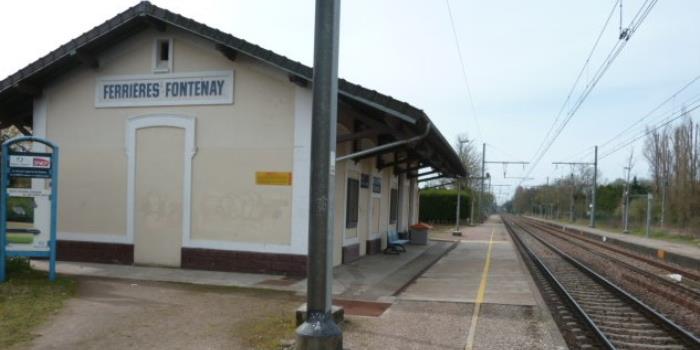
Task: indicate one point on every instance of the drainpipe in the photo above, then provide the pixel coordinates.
(387, 146)
(399, 200)
(411, 200)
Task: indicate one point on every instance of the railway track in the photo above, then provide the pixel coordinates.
(652, 277)
(691, 278)
(596, 312)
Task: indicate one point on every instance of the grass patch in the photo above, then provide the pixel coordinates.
(666, 236)
(27, 299)
(654, 233)
(267, 332)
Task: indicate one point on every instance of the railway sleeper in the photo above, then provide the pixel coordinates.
(616, 303)
(632, 319)
(640, 339)
(645, 332)
(615, 310)
(640, 346)
(625, 327)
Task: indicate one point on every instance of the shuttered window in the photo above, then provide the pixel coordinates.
(394, 209)
(352, 202)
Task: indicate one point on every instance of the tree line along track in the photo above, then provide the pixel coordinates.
(613, 318)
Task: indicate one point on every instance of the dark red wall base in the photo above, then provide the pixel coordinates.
(233, 261)
(110, 253)
(374, 246)
(351, 253)
(192, 258)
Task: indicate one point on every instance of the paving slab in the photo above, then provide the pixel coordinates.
(457, 277)
(515, 327)
(505, 310)
(410, 325)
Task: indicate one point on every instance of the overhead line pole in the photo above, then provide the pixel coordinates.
(594, 189)
(626, 199)
(456, 231)
(319, 331)
(483, 170)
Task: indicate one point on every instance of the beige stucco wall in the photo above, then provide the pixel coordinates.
(256, 133)
(233, 142)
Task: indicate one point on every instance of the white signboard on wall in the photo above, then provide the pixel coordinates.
(196, 88)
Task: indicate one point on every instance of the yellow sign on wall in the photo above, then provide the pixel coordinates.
(275, 178)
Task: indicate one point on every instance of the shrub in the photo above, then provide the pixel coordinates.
(18, 265)
(437, 205)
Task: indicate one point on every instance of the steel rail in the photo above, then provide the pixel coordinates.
(687, 337)
(663, 265)
(568, 298)
(579, 242)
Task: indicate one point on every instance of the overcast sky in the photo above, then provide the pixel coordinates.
(521, 59)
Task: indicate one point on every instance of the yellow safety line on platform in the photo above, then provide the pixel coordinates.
(480, 296)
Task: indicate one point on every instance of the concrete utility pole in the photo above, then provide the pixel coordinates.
(663, 201)
(626, 200)
(319, 331)
(649, 199)
(593, 192)
(483, 170)
(457, 232)
(471, 208)
(572, 205)
(504, 163)
(595, 186)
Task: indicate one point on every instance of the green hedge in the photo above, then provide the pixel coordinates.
(438, 205)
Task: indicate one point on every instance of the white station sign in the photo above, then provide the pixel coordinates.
(197, 88)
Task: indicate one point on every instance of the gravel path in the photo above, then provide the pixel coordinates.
(411, 325)
(118, 314)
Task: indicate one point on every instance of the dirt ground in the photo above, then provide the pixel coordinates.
(118, 314)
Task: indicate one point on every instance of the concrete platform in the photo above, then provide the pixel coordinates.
(681, 254)
(457, 277)
(455, 305)
(379, 277)
(372, 278)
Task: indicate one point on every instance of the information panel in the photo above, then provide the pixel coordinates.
(29, 164)
(20, 238)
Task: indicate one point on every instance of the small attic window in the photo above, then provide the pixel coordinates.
(163, 55)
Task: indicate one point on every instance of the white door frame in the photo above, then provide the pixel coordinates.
(371, 235)
(351, 172)
(155, 120)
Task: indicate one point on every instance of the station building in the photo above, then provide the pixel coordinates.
(185, 146)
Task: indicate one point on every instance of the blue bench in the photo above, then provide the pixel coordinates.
(394, 245)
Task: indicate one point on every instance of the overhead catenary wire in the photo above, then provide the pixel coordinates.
(646, 116)
(684, 111)
(578, 79)
(463, 67)
(637, 20)
(652, 111)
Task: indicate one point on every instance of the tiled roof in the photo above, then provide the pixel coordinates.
(145, 10)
